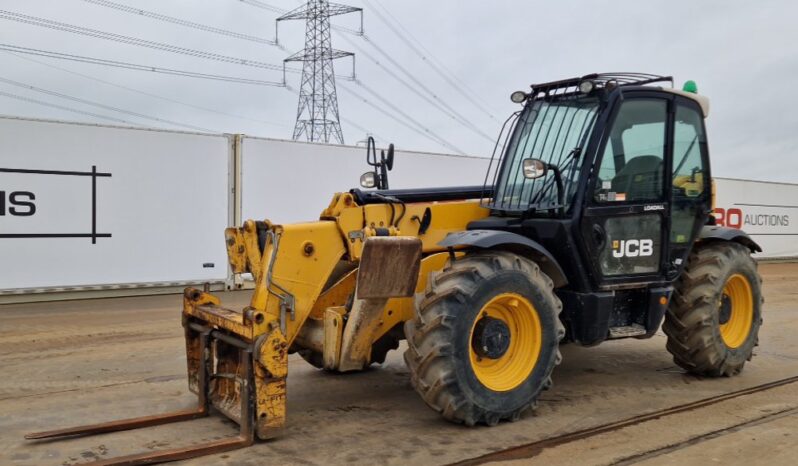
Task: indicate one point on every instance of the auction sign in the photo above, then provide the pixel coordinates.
(767, 211)
(88, 206)
(49, 203)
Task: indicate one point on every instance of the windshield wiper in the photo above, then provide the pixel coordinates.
(684, 157)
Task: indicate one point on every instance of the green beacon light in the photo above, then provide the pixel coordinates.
(690, 86)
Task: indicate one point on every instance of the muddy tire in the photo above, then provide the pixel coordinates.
(485, 338)
(713, 320)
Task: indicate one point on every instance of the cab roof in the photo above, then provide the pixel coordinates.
(623, 79)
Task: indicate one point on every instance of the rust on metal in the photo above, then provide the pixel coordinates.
(236, 250)
(271, 370)
(389, 267)
(122, 424)
(202, 340)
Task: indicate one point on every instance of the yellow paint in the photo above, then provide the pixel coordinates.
(222, 318)
(512, 368)
(236, 250)
(693, 185)
(735, 331)
(399, 310)
(712, 190)
(271, 370)
(337, 295)
(302, 271)
(254, 259)
(358, 337)
(269, 404)
(301, 275)
(447, 217)
(333, 333)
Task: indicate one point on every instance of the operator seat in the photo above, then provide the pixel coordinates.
(640, 178)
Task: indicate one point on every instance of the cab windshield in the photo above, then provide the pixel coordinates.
(554, 131)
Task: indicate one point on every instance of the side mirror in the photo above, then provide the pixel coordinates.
(368, 180)
(534, 168)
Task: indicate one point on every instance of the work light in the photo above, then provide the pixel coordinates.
(518, 97)
(586, 86)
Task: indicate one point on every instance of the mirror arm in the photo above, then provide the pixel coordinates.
(383, 176)
(560, 187)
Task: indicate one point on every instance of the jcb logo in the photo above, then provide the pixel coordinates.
(632, 248)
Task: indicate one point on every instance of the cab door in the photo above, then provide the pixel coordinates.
(691, 184)
(625, 221)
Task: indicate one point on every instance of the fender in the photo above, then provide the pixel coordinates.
(711, 232)
(488, 239)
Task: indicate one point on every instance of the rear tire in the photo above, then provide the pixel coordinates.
(470, 374)
(714, 316)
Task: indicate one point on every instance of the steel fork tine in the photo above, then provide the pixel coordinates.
(121, 424)
(145, 421)
(175, 454)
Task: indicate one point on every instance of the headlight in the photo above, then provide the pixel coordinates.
(368, 180)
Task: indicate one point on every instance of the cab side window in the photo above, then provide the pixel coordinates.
(632, 164)
(689, 180)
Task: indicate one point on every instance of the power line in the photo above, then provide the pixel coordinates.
(424, 87)
(165, 47)
(41, 22)
(431, 137)
(68, 109)
(445, 109)
(137, 67)
(180, 22)
(149, 94)
(450, 77)
(413, 124)
(264, 6)
(103, 106)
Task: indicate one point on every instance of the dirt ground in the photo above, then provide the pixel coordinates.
(89, 361)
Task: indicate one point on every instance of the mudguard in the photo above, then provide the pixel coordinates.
(711, 232)
(489, 239)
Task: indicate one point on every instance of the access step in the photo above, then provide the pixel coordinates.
(627, 331)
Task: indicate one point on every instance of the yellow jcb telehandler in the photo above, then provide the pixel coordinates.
(593, 224)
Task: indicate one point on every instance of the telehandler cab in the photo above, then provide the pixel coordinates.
(593, 224)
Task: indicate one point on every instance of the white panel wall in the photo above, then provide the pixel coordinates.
(165, 205)
(168, 200)
(287, 181)
(766, 211)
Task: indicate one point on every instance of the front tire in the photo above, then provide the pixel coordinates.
(485, 338)
(714, 317)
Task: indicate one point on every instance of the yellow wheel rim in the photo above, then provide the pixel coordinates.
(512, 368)
(739, 300)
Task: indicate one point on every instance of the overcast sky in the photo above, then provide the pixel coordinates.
(741, 54)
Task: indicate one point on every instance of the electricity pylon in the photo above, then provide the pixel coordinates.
(317, 116)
